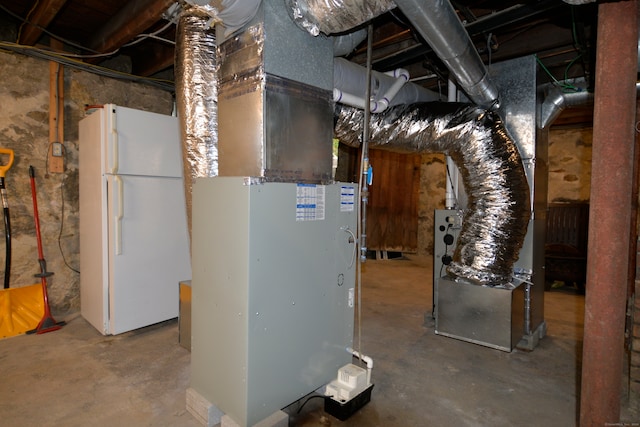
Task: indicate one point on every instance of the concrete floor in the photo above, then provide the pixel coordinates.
(77, 377)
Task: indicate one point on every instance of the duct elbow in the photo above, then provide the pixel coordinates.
(551, 108)
(498, 214)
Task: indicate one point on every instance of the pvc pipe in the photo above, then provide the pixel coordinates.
(401, 77)
(357, 102)
(376, 106)
(368, 360)
(350, 78)
(451, 178)
(347, 99)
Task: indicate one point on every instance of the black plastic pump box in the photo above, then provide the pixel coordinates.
(342, 411)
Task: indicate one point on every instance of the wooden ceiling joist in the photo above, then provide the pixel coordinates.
(153, 60)
(133, 19)
(41, 16)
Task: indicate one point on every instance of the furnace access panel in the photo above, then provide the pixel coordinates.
(273, 291)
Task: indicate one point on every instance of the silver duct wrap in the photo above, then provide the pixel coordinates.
(495, 223)
(335, 16)
(197, 96)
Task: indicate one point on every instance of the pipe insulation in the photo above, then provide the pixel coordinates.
(335, 16)
(347, 43)
(350, 78)
(197, 97)
(495, 222)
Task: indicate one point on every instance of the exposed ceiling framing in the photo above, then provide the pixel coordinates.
(562, 36)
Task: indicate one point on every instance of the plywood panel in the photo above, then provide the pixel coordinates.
(392, 211)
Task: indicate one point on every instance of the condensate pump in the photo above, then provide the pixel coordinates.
(349, 392)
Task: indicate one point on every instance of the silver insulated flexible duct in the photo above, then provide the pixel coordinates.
(495, 223)
(335, 16)
(196, 97)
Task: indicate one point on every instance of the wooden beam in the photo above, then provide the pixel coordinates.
(134, 18)
(152, 60)
(42, 16)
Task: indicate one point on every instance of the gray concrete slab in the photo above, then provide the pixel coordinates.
(77, 377)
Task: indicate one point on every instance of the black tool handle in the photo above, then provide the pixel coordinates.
(7, 233)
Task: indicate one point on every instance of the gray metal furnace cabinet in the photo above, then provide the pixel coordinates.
(273, 291)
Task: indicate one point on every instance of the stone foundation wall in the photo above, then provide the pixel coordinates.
(24, 128)
(432, 194)
(569, 165)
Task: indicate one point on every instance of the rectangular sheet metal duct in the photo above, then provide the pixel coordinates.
(275, 101)
(517, 81)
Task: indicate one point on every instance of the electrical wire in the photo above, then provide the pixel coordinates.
(96, 54)
(355, 246)
(151, 36)
(44, 30)
(574, 32)
(489, 50)
(64, 258)
(46, 168)
(154, 35)
(576, 44)
(315, 396)
(564, 86)
(566, 70)
(35, 52)
(24, 21)
(62, 182)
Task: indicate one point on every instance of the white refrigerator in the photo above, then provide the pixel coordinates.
(134, 243)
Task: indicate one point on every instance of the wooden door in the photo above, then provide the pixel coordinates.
(392, 210)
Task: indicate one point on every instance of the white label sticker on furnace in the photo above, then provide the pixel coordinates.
(347, 198)
(310, 202)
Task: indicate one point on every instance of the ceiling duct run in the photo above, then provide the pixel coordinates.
(435, 20)
(438, 23)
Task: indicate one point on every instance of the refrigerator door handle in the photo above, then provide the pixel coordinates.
(112, 139)
(114, 151)
(118, 217)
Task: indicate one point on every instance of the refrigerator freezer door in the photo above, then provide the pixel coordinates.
(141, 143)
(94, 293)
(149, 250)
